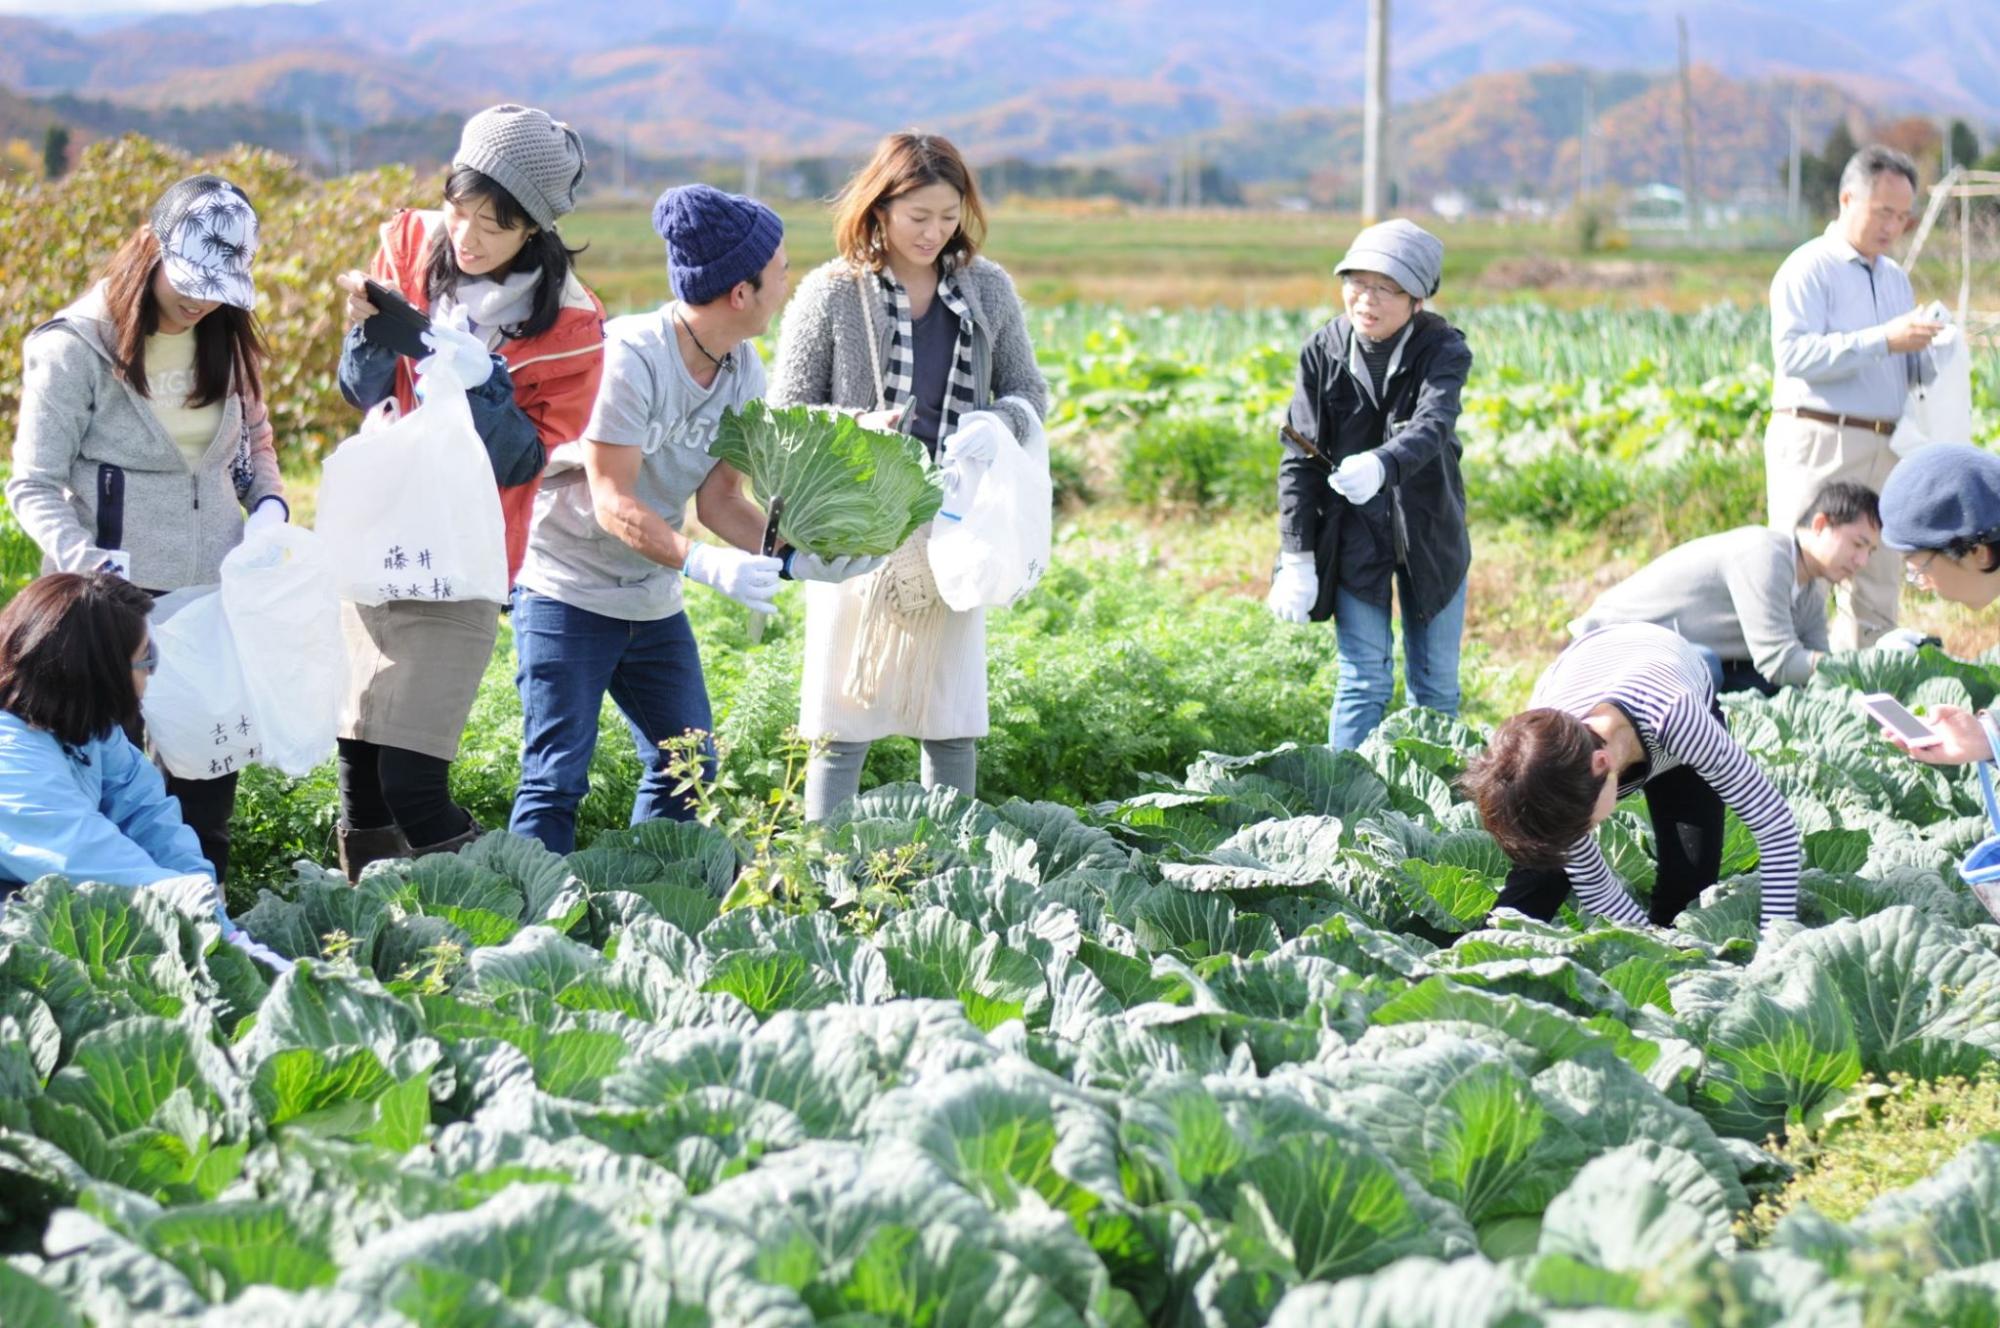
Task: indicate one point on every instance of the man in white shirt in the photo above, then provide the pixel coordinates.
(1848, 345)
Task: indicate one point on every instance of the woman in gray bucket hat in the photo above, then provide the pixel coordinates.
(143, 440)
(527, 338)
(1369, 492)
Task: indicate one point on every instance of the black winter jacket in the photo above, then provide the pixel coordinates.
(1416, 438)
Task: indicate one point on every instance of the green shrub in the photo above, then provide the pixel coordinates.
(1575, 491)
(1179, 460)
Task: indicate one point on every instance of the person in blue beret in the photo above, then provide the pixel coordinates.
(1941, 511)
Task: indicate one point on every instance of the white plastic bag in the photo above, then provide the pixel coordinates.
(284, 615)
(408, 509)
(1939, 411)
(197, 710)
(998, 553)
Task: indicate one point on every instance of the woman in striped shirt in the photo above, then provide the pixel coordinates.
(1624, 709)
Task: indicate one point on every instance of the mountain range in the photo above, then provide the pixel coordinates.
(1489, 90)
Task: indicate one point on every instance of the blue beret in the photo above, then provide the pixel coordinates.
(1948, 493)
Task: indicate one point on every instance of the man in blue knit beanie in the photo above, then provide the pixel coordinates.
(598, 604)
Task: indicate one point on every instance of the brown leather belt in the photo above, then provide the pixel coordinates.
(1883, 427)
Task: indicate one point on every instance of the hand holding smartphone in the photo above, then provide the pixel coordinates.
(1894, 716)
(396, 323)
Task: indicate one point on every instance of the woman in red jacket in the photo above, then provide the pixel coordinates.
(505, 305)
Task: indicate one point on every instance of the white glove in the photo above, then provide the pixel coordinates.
(811, 567)
(1901, 638)
(961, 488)
(750, 579)
(195, 894)
(1294, 588)
(466, 354)
(1359, 478)
(118, 563)
(970, 447)
(258, 951)
(270, 512)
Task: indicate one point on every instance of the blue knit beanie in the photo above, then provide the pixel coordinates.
(714, 240)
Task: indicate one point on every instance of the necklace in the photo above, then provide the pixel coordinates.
(724, 366)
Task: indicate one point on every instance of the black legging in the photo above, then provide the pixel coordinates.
(392, 786)
(206, 805)
(1687, 833)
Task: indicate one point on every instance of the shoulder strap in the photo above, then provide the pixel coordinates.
(868, 321)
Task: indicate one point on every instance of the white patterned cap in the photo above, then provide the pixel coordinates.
(208, 234)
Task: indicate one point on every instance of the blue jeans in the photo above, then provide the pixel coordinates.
(1367, 675)
(567, 659)
(1734, 675)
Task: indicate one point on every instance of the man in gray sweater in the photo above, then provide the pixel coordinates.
(1753, 600)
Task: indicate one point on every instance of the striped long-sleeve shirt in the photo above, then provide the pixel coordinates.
(1665, 689)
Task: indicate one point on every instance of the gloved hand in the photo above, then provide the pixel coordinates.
(1294, 588)
(270, 512)
(1359, 478)
(466, 354)
(258, 951)
(1902, 638)
(970, 447)
(804, 566)
(117, 562)
(961, 488)
(195, 894)
(750, 579)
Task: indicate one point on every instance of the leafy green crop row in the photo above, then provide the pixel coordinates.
(1196, 1057)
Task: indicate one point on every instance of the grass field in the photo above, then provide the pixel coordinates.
(1225, 259)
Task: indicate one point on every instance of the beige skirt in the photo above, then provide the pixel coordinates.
(414, 670)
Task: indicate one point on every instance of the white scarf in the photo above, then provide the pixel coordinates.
(487, 306)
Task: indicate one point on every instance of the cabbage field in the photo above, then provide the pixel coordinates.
(1236, 1050)
(1226, 1046)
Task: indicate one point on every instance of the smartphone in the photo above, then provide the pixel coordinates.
(396, 323)
(1898, 720)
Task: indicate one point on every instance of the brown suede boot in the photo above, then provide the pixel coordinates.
(358, 848)
(472, 831)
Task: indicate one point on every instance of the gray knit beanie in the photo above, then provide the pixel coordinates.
(537, 160)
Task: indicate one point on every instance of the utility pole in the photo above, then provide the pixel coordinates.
(1375, 117)
(749, 172)
(1194, 172)
(1692, 206)
(1583, 162)
(1792, 161)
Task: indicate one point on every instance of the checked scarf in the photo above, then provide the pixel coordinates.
(898, 381)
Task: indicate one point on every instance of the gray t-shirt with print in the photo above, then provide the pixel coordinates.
(647, 400)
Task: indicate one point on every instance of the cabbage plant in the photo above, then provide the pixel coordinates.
(846, 489)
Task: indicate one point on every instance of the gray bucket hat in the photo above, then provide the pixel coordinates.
(1401, 250)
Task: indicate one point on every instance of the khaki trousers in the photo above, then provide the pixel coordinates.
(1800, 458)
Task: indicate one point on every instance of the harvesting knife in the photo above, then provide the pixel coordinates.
(769, 548)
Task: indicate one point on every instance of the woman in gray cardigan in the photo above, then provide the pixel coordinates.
(143, 438)
(909, 329)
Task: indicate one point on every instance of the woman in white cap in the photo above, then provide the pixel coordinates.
(143, 438)
(1941, 511)
(527, 338)
(1369, 492)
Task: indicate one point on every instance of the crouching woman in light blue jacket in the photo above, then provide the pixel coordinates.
(77, 798)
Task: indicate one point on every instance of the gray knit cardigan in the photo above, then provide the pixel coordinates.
(824, 351)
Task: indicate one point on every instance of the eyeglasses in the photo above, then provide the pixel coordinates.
(1915, 572)
(149, 662)
(1380, 290)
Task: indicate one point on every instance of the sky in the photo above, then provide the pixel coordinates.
(53, 9)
